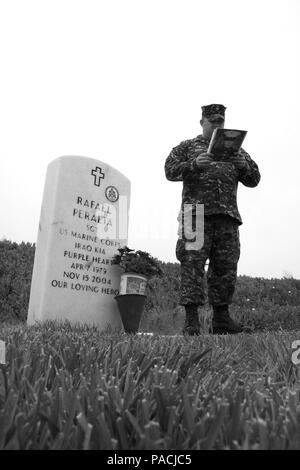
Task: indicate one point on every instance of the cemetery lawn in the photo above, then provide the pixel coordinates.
(74, 387)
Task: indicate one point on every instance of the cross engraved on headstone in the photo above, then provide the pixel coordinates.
(98, 175)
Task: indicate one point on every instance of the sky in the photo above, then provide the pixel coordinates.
(124, 82)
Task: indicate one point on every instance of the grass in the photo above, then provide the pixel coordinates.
(74, 387)
(269, 317)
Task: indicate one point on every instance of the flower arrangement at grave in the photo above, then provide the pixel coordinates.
(139, 262)
(138, 267)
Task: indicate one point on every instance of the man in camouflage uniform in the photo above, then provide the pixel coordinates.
(213, 184)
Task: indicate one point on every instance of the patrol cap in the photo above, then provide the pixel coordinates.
(213, 112)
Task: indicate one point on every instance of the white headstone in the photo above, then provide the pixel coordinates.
(84, 220)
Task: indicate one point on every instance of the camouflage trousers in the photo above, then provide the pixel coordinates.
(222, 247)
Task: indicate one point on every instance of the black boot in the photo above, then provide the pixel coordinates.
(191, 325)
(222, 323)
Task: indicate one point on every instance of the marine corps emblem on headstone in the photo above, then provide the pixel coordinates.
(111, 193)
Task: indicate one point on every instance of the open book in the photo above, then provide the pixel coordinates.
(224, 143)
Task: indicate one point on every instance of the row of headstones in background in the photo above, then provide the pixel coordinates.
(83, 221)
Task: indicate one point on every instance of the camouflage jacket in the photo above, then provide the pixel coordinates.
(215, 186)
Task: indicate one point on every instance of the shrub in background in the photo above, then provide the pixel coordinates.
(258, 302)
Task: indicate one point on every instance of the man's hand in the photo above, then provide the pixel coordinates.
(238, 160)
(204, 160)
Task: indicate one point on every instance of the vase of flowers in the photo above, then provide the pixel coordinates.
(138, 267)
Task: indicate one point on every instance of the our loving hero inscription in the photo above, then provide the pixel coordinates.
(83, 221)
